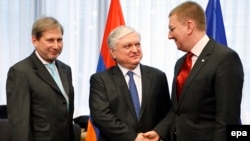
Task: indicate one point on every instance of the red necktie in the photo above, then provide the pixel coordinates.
(182, 76)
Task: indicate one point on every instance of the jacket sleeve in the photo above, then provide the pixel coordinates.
(228, 93)
(111, 127)
(18, 105)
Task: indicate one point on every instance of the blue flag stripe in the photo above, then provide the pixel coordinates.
(215, 24)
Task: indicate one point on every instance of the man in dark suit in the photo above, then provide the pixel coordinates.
(111, 105)
(39, 109)
(211, 96)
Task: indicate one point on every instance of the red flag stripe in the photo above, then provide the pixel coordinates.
(115, 19)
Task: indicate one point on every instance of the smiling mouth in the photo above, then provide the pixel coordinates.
(135, 56)
(54, 52)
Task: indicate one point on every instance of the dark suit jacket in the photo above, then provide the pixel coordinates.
(36, 107)
(210, 99)
(112, 109)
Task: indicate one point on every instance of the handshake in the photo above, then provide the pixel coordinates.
(148, 136)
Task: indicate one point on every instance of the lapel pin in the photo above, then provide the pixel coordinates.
(202, 60)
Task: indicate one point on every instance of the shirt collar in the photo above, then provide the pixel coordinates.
(136, 71)
(200, 45)
(41, 59)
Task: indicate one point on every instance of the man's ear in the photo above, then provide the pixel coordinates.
(112, 53)
(34, 41)
(190, 27)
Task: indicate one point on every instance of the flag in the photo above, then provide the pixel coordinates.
(92, 131)
(114, 19)
(215, 24)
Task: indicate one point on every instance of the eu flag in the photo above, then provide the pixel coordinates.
(215, 24)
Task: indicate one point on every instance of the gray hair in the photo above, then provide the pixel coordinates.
(118, 33)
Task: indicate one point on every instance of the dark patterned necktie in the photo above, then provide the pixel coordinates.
(183, 74)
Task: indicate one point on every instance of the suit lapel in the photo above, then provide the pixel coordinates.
(177, 69)
(145, 77)
(42, 72)
(200, 62)
(63, 75)
(122, 86)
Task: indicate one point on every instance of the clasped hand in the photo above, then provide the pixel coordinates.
(148, 136)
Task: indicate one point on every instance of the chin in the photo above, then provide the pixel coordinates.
(136, 62)
(51, 59)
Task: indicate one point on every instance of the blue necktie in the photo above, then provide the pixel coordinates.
(134, 93)
(55, 75)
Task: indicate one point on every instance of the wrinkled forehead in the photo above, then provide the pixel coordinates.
(130, 37)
